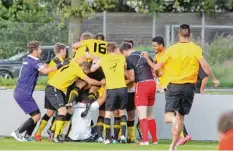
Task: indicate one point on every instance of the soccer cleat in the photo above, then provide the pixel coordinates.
(143, 143)
(28, 139)
(107, 142)
(132, 141)
(155, 143)
(183, 141)
(51, 135)
(100, 140)
(16, 135)
(115, 141)
(58, 139)
(37, 138)
(123, 139)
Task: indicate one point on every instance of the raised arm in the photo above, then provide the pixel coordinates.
(154, 66)
(95, 65)
(75, 46)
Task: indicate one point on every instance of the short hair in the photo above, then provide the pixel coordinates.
(86, 65)
(129, 41)
(33, 45)
(86, 35)
(159, 40)
(111, 47)
(225, 122)
(185, 30)
(99, 36)
(58, 47)
(125, 46)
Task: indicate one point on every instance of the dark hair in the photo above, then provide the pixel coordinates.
(185, 30)
(99, 36)
(129, 41)
(86, 35)
(33, 45)
(225, 122)
(111, 47)
(125, 46)
(159, 40)
(58, 47)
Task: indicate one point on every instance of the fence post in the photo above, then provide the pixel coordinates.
(203, 30)
(172, 34)
(70, 39)
(104, 23)
(154, 25)
(167, 35)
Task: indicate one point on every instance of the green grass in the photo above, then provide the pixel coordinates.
(10, 144)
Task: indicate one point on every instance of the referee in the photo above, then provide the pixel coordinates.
(184, 58)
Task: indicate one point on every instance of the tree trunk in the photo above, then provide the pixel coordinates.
(74, 27)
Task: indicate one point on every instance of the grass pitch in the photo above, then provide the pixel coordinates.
(11, 144)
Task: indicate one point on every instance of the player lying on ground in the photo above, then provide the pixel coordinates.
(140, 72)
(24, 89)
(56, 87)
(184, 58)
(81, 130)
(113, 66)
(60, 55)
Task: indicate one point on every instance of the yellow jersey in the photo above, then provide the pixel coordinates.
(53, 63)
(164, 79)
(67, 75)
(184, 62)
(93, 46)
(101, 90)
(113, 68)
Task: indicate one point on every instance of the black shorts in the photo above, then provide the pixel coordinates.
(97, 75)
(131, 103)
(56, 98)
(116, 99)
(179, 97)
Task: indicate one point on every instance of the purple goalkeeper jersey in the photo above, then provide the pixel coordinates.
(28, 75)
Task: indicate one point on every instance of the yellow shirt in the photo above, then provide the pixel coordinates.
(164, 79)
(93, 46)
(184, 62)
(53, 63)
(67, 75)
(101, 90)
(113, 68)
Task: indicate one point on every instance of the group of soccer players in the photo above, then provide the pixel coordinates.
(117, 80)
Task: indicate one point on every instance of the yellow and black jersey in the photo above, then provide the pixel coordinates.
(56, 60)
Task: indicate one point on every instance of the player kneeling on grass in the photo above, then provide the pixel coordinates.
(24, 89)
(81, 120)
(113, 66)
(56, 87)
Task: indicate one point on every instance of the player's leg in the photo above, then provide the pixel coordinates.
(182, 99)
(50, 112)
(29, 106)
(116, 126)
(151, 121)
(141, 102)
(131, 118)
(123, 101)
(109, 108)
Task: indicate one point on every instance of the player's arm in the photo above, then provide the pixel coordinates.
(205, 66)
(95, 65)
(129, 72)
(90, 56)
(45, 69)
(154, 66)
(101, 100)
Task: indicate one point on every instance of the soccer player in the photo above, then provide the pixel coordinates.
(82, 117)
(113, 66)
(58, 84)
(225, 129)
(60, 55)
(140, 72)
(184, 58)
(24, 89)
(95, 48)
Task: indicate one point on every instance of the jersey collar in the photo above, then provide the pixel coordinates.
(35, 58)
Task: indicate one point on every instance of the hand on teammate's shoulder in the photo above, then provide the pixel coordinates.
(145, 54)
